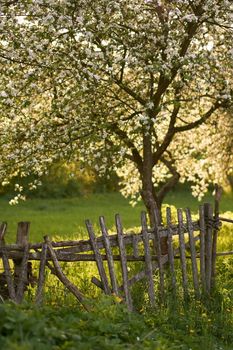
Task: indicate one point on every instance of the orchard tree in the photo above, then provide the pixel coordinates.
(134, 85)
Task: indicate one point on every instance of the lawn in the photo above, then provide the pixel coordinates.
(66, 217)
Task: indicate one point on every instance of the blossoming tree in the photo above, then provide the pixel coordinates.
(136, 85)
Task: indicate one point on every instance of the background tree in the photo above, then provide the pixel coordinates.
(119, 84)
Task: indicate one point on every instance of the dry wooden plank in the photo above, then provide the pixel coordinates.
(159, 255)
(41, 278)
(170, 248)
(182, 252)
(6, 265)
(122, 252)
(109, 255)
(22, 238)
(98, 258)
(22, 277)
(208, 244)
(62, 277)
(202, 246)
(217, 198)
(193, 252)
(148, 262)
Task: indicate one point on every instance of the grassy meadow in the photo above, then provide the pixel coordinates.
(66, 217)
(61, 323)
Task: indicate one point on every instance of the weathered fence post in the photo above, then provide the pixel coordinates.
(193, 252)
(208, 244)
(148, 261)
(170, 249)
(202, 247)
(218, 194)
(182, 252)
(6, 265)
(123, 259)
(20, 265)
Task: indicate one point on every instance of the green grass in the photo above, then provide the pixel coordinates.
(66, 217)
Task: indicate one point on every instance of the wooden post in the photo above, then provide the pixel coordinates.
(6, 265)
(122, 252)
(159, 255)
(109, 255)
(202, 246)
(98, 258)
(20, 265)
(170, 249)
(182, 252)
(193, 252)
(41, 278)
(148, 262)
(208, 244)
(217, 198)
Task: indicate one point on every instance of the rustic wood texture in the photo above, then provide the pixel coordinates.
(6, 264)
(148, 261)
(193, 252)
(41, 279)
(159, 255)
(20, 265)
(208, 244)
(217, 198)
(202, 246)
(170, 249)
(182, 252)
(22, 277)
(109, 255)
(62, 277)
(124, 269)
(98, 258)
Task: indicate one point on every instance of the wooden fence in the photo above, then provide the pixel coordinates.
(187, 239)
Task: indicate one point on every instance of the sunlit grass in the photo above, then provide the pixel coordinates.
(66, 217)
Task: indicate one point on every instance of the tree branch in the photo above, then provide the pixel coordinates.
(200, 121)
(171, 182)
(169, 135)
(124, 138)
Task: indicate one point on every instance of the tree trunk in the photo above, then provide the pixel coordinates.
(150, 199)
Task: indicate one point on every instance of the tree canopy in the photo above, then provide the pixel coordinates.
(142, 86)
